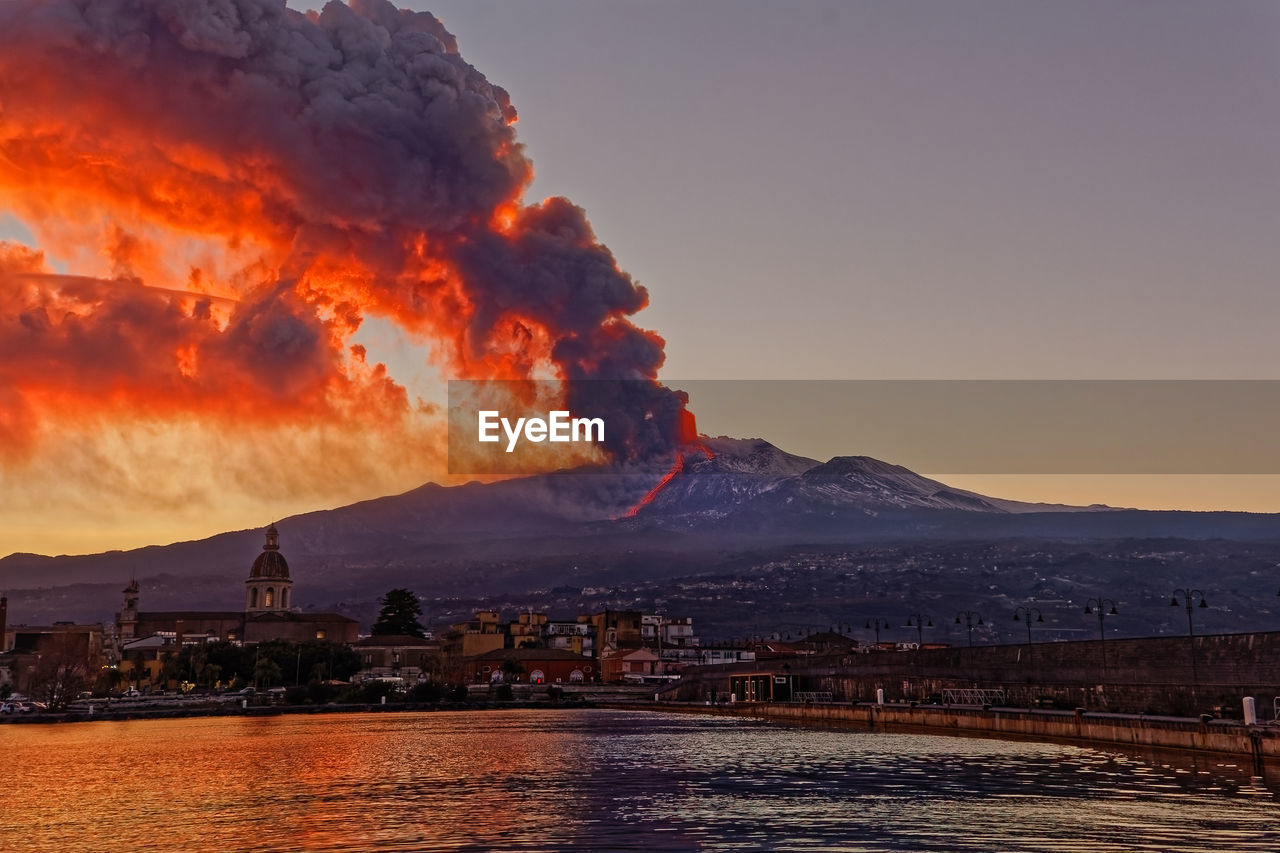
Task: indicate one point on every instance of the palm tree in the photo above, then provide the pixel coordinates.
(266, 672)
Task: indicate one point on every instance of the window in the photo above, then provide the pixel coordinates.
(284, 597)
(268, 599)
(575, 676)
(253, 598)
(537, 677)
(320, 634)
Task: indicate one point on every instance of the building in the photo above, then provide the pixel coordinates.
(39, 656)
(577, 636)
(482, 633)
(404, 659)
(536, 666)
(268, 613)
(641, 664)
(619, 644)
(528, 630)
(660, 631)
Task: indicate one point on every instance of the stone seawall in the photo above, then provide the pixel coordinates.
(1253, 747)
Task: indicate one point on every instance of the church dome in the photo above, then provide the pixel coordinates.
(270, 563)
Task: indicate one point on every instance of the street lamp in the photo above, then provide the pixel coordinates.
(969, 616)
(919, 621)
(1188, 599)
(1023, 614)
(1104, 607)
(877, 624)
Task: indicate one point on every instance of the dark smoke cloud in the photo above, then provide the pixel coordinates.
(357, 160)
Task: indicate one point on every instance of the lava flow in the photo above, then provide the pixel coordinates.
(689, 439)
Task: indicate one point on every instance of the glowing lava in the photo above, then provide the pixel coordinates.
(689, 440)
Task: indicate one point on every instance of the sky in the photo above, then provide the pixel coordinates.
(830, 190)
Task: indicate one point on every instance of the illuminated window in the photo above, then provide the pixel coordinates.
(320, 634)
(269, 599)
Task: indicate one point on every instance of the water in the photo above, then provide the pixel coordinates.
(599, 780)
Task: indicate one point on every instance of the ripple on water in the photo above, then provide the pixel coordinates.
(530, 780)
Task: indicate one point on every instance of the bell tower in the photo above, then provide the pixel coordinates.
(269, 588)
(127, 618)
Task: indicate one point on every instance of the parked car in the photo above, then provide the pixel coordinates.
(132, 693)
(15, 708)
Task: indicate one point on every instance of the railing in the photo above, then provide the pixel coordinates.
(973, 696)
(812, 696)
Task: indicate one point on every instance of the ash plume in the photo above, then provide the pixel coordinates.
(231, 187)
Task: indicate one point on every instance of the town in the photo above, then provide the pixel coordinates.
(271, 645)
(272, 650)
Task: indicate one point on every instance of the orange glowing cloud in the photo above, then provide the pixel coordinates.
(232, 187)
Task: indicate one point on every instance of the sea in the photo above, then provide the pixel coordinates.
(597, 780)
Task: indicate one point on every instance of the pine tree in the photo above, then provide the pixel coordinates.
(399, 615)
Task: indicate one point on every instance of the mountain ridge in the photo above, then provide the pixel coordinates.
(729, 495)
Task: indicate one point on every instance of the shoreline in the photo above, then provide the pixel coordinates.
(158, 713)
(1251, 750)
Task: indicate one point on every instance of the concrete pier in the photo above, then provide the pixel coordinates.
(1253, 748)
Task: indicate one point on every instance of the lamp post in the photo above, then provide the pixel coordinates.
(969, 616)
(1105, 607)
(1188, 600)
(919, 621)
(877, 624)
(1023, 614)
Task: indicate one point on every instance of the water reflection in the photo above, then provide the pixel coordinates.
(536, 780)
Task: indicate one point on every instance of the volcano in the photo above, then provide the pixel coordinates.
(751, 476)
(592, 525)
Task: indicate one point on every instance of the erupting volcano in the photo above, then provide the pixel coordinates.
(219, 193)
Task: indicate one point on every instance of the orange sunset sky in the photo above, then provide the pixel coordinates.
(243, 247)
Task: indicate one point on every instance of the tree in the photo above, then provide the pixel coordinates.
(61, 672)
(197, 661)
(138, 670)
(399, 615)
(512, 669)
(266, 672)
(172, 669)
